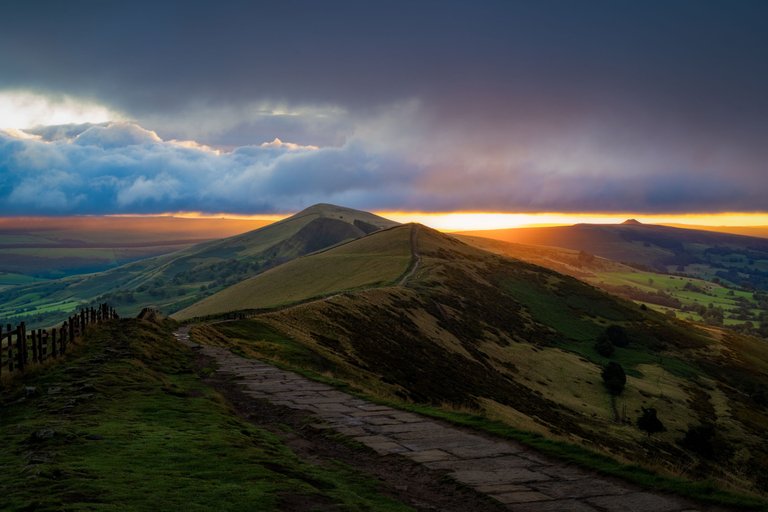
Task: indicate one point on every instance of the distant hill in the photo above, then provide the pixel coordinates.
(736, 259)
(477, 332)
(758, 231)
(173, 281)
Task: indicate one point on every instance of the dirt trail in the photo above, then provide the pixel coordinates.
(415, 258)
(513, 475)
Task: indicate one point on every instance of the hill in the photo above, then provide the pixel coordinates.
(681, 296)
(758, 231)
(472, 331)
(378, 259)
(735, 259)
(173, 281)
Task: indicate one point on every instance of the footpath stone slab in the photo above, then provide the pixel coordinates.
(429, 456)
(554, 506)
(637, 502)
(585, 488)
(520, 497)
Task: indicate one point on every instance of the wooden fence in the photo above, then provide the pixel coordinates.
(20, 348)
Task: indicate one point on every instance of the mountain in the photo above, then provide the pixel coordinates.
(173, 281)
(739, 260)
(378, 259)
(467, 330)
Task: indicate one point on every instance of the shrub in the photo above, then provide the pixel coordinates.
(614, 378)
(705, 441)
(649, 423)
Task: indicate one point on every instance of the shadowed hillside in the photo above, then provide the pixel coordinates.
(514, 342)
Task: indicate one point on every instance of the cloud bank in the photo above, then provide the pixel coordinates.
(598, 106)
(388, 163)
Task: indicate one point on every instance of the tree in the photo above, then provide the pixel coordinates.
(649, 423)
(614, 378)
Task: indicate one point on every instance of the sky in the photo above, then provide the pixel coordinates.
(652, 107)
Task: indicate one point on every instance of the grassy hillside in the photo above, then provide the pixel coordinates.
(127, 424)
(685, 297)
(735, 259)
(516, 343)
(174, 281)
(376, 260)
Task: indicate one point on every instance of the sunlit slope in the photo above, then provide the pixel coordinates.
(378, 259)
(736, 259)
(516, 342)
(173, 281)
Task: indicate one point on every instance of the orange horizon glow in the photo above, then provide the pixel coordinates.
(480, 221)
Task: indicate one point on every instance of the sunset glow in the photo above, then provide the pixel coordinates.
(475, 221)
(470, 221)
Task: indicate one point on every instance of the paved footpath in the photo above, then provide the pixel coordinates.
(513, 474)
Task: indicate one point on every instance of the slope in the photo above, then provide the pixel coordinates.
(513, 342)
(681, 296)
(736, 259)
(176, 280)
(375, 260)
(133, 420)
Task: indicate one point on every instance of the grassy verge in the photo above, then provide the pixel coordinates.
(252, 339)
(126, 424)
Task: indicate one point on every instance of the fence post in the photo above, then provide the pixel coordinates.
(82, 322)
(34, 346)
(42, 340)
(1, 350)
(10, 349)
(21, 345)
(53, 342)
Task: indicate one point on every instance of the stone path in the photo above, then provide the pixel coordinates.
(507, 471)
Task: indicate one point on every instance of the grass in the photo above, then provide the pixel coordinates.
(126, 424)
(375, 260)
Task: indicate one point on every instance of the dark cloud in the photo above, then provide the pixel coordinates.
(123, 168)
(561, 105)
